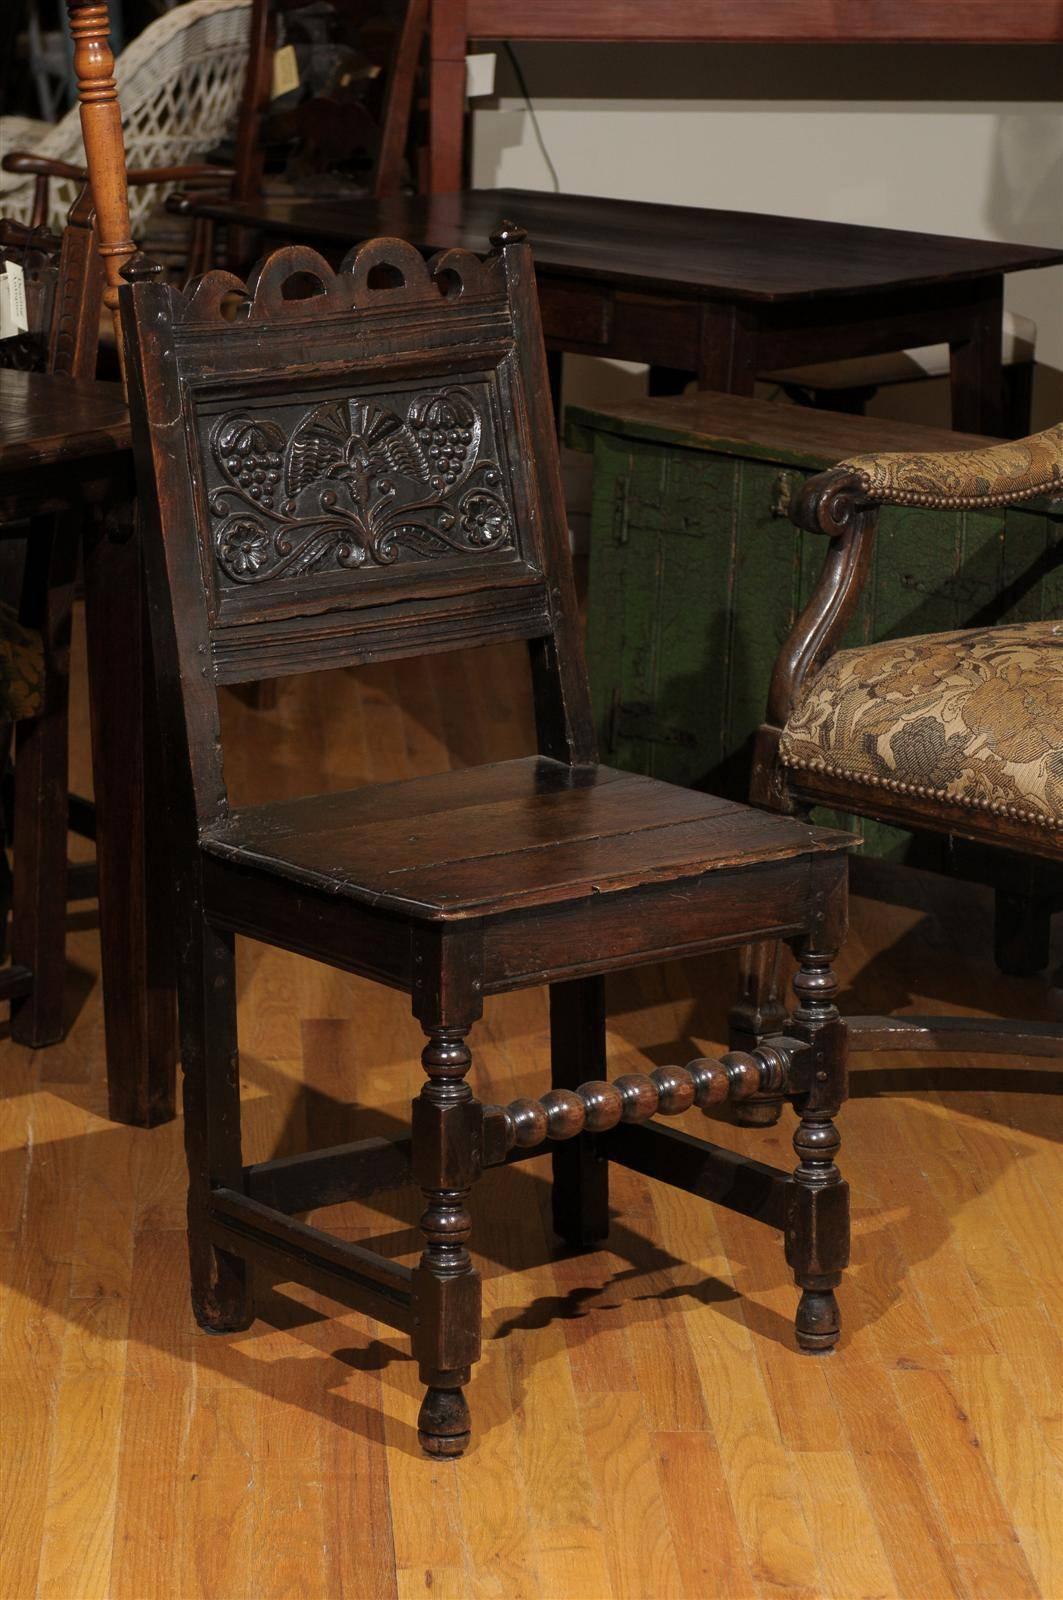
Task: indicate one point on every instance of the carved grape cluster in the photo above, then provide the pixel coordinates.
(250, 457)
(446, 428)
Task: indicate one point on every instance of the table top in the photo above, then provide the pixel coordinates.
(736, 255)
(47, 421)
(729, 424)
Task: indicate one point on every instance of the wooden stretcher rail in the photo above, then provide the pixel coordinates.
(294, 1252)
(706, 1170)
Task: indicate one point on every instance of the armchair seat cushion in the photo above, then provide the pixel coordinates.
(21, 669)
(974, 718)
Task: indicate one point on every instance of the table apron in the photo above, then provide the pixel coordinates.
(667, 331)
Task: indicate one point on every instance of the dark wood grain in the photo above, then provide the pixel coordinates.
(716, 295)
(45, 425)
(65, 448)
(740, 255)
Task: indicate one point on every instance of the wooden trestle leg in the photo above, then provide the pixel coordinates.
(447, 1131)
(817, 1224)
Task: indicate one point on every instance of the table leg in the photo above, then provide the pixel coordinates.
(135, 920)
(975, 370)
(727, 348)
(446, 96)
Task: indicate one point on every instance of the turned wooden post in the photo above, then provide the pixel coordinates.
(447, 1140)
(817, 1225)
(101, 128)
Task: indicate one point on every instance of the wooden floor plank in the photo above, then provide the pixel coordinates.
(643, 1425)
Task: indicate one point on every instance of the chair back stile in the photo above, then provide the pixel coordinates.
(369, 471)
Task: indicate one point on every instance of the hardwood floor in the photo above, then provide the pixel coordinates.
(643, 1426)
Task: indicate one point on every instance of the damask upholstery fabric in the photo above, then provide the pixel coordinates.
(974, 717)
(998, 475)
(21, 669)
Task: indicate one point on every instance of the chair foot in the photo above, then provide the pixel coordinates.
(443, 1423)
(818, 1322)
(221, 1290)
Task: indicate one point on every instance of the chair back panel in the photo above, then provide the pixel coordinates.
(64, 295)
(350, 112)
(354, 465)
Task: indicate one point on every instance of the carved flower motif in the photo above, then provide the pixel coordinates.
(243, 548)
(484, 519)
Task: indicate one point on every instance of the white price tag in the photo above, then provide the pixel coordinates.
(16, 297)
(7, 326)
(480, 74)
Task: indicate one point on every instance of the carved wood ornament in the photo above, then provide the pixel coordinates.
(355, 482)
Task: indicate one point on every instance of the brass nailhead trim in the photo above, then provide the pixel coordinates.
(924, 791)
(943, 502)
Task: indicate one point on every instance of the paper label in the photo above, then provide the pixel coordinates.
(285, 71)
(480, 74)
(7, 326)
(16, 297)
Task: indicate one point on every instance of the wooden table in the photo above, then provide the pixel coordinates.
(65, 443)
(722, 294)
(455, 23)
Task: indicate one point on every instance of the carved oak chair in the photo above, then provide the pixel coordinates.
(957, 733)
(372, 472)
(64, 284)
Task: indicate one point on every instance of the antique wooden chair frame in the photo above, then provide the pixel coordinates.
(34, 980)
(389, 319)
(841, 506)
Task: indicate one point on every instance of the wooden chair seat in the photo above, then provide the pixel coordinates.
(507, 837)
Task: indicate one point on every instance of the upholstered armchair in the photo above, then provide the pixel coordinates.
(957, 733)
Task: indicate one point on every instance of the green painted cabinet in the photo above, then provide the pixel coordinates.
(696, 573)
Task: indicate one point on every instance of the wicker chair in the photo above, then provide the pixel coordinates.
(180, 85)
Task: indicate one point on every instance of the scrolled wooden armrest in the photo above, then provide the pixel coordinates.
(188, 174)
(1022, 469)
(28, 165)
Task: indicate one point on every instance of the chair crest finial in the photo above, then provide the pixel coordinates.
(507, 233)
(140, 268)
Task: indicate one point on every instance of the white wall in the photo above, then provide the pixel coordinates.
(895, 137)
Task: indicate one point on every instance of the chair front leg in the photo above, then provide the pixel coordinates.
(817, 1224)
(447, 1135)
(221, 1288)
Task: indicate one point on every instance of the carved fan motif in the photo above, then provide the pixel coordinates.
(356, 482)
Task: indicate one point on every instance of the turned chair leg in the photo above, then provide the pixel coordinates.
(817, 1224)
(221, 1287)
(760, 1011)
(580, 1194)
(447, 1136)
